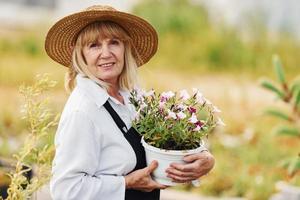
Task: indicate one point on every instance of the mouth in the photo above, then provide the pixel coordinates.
(106, 65)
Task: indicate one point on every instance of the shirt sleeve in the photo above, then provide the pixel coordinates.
(76, 162)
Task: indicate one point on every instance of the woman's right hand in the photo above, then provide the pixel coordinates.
(141, 179)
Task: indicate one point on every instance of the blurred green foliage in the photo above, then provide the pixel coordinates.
(289, 93)
(176, 17)
(26, 44)
(188, 40)
(37, 149)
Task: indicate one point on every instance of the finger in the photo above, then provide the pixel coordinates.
(184, 167)
(179, 179)
(193, 157)
(204, 155)
(160, 186)
(153, 165)
(179, 173)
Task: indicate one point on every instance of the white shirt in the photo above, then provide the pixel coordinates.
(92, 155)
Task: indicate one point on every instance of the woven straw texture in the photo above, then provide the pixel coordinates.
(62, 36)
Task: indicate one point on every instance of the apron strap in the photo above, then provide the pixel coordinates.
(120, 123)
(134, 139)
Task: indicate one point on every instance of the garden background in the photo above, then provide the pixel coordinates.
(198, 48)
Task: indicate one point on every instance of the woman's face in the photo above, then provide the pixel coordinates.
(105, 59)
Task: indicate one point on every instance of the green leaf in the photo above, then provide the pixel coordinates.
(297, 97)
(278, 114)
(278, 69)
(288, 131)
(294, 166)
(270, 86)
(295, 85)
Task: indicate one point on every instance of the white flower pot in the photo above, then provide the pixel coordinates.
(165, 158)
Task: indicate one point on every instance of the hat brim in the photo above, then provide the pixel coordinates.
(62, 36)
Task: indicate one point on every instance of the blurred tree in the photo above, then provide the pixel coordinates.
(175, 16)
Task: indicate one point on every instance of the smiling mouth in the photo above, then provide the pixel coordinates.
(106, 65)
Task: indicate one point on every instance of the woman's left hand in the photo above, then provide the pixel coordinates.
(196, 166)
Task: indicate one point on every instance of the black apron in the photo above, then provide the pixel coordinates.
(134, 139)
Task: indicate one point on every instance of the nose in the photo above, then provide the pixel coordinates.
(105, 51)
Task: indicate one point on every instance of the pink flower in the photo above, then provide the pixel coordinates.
(195, 90)
(181, 107)
(171, 115)
(184, 95)
(140, 94)
(192, 110)
(199, 123)
(193, 118)
(167, 95)
(161, 104)
(162, 99)
(181, 115)
(198, 128)
(200, 98)
(208, 102)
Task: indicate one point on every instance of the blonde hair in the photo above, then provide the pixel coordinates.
(91, 33)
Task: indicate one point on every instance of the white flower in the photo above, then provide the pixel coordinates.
(140, 94)
(208, 102)
(193, 119)
(216, 109)
(195, 90)
(200, 98)
(181, 115)
(168, 94)
(171, 115)
(220, 122)
(183, 94)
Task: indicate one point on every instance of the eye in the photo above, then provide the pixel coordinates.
(115, 41)
(93, 45)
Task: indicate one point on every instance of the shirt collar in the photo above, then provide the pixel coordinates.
(92, 90)
(96, 93)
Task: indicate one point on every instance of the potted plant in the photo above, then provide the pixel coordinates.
(172, 125)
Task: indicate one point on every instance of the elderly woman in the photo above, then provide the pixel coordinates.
(95, 158)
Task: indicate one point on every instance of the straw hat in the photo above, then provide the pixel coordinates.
(62, 35)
